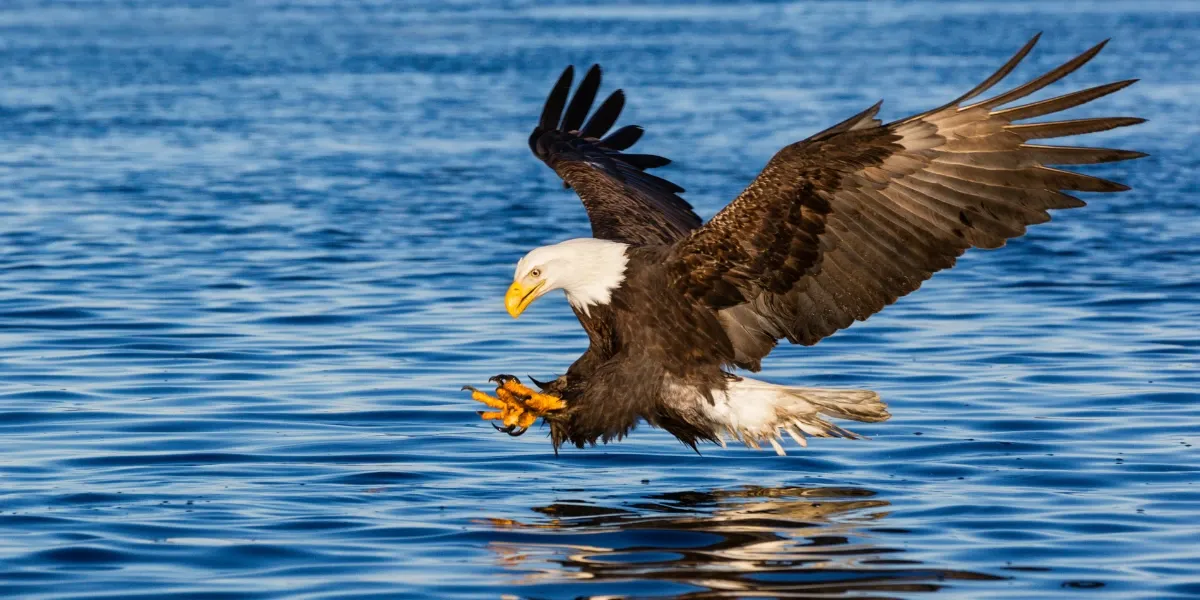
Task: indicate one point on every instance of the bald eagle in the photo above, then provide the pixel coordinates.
(832, 230)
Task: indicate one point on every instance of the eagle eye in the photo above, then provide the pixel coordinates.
(535, 273)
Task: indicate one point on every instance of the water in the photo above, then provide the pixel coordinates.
(248, 255)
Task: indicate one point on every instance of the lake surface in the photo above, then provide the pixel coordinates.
(248, 255)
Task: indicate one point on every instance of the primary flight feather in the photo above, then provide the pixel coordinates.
(832, 230)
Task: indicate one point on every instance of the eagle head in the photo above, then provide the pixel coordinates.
(587, 269)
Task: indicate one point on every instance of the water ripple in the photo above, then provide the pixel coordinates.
(248, 254)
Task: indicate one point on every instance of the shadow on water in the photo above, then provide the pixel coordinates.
(789, 542)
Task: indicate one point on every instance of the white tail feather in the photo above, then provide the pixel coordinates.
(756, 411)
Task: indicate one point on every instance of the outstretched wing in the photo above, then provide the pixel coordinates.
(842, 224)
(623, 201)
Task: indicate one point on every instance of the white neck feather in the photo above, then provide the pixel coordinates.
(587, 269)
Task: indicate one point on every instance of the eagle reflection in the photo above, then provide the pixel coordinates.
(780, 542)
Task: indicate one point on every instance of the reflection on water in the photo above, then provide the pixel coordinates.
(250, 250)
(787, 542)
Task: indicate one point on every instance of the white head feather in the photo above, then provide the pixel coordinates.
(587, 269)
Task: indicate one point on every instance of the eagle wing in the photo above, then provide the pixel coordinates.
(840, 225)
(623, 201)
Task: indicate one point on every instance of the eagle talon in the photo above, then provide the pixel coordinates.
(515, 406)
(502, 379)
(535, 401)
(511, 430)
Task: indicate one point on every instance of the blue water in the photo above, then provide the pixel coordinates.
(249, 254)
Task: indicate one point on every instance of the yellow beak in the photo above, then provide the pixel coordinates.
(519, 297)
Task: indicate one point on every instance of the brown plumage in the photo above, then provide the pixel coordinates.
(890, 205)
(623, 202)
(832, 230)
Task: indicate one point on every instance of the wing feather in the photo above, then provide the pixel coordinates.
(1053, 75)
(1037, 131)
(1053, 105)
(623, 138)
(996, 77)
(842, 224)
(605, 117)
(581, 102)
(623, 202)
(552, 110)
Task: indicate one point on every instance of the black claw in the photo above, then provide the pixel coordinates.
(511, 430)
(540, 384)
(502, 378)
(467, 388)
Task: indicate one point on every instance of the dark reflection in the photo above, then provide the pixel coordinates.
(777, 542)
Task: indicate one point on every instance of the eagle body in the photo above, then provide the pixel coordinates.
(835, 227)
(639, 336)
(660, 355)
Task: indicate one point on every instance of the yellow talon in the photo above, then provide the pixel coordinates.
(509, 419)
(515, 387)
(491, 402)
(509, 410)
(516, 406)
(508, 397)
(536, 400)
(526, 420)
(544, 403)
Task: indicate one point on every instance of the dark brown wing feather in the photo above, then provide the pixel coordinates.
(623, 202)
(840, 225)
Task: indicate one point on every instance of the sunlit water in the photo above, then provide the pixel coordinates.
(249, 255)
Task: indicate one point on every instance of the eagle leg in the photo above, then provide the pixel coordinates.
(516, 406)
(539, 402)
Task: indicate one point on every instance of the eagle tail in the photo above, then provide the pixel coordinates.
(855, 405)
(756, 412)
